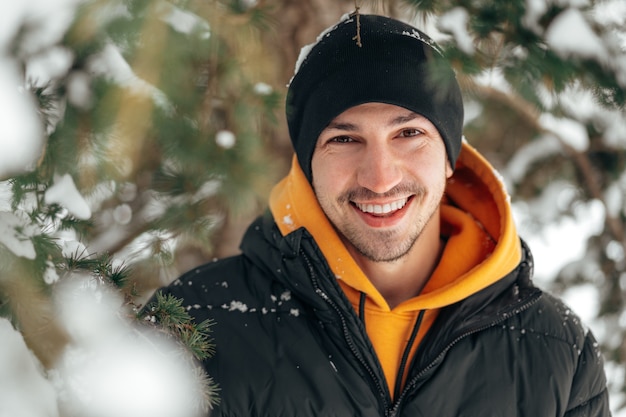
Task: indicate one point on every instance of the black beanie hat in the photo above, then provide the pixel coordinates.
(394, 64)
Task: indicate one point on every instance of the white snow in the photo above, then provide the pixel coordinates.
(570, 131)
(306, 49)
(263, 89)
(72, 248)
(249, 3)
(610, 12)
(304, 52)
(580, 105)
(50, 275)
(569, 35)
(142, 246)
(207, 190)
(493, 77)
(110, 63)
(64, 192)
(24, 391)
(518, 166)
(15, 234)
(288, 220)
(584, 300)
(47, 22)
(616, 375)
(614, 197)
(78, 89)
(21, 129)
(225, 139)
(238, 306)
(579, 4)
(562, 240)
(535, 9)
(50, 64)
(123, 214)
(114, 368)
(183, 21)
(615, 128)
(456, 22)
(615, 251)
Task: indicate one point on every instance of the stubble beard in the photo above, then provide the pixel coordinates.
(384, 245)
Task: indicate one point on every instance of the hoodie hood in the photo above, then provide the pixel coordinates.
(476, 220)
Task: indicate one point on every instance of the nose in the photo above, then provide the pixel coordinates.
(379, 168)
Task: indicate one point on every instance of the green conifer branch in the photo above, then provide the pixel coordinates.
(168, 312)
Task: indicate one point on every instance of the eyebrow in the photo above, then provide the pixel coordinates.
(403, 119)
(341, 126)
(350, 127)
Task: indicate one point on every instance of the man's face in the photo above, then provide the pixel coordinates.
(379, 173)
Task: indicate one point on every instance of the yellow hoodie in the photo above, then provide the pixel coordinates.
(482, 246)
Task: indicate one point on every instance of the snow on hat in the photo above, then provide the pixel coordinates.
(369, 58)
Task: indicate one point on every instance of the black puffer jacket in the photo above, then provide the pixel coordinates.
(295, 347)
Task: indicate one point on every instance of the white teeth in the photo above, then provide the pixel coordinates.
(382, 209)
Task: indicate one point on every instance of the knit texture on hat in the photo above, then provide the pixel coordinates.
(396, 64)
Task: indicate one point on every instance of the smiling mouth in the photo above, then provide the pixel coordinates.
(382, 209)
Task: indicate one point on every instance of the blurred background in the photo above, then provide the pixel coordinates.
(138, 139)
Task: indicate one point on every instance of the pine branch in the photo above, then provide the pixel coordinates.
(530, 114)
(167, 311)
(100, 267)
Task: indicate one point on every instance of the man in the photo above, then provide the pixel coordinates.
(387, 278)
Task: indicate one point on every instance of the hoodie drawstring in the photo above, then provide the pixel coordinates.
(407, 349)
(405, 355)
(362, 307)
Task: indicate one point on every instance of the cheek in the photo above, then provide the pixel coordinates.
(323, 185)
(430, 171)
(330, 185)
(328, 172)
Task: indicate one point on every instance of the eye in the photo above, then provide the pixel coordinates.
(341, 139)
(408, 133)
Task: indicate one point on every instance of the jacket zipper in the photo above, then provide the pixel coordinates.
(393, 411)
(346, 333)
(411, 384)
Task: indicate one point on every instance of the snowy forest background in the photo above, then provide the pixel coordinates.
(138, 138)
